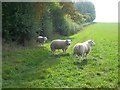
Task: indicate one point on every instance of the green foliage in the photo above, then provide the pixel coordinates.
(46, 23)
(62, 22)
(37, 68)
(86, 8)
(23, 22)
(18, 21)
(57, 16)
(69, 9)
(70, 27)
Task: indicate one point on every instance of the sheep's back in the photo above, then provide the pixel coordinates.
(58, 44)
(79, 49)
(41, 40)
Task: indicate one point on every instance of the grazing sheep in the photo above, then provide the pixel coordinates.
(83, 49)
(40, 36)
(60, 44)
(41, 39)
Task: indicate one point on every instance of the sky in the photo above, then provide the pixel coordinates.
(106, 10)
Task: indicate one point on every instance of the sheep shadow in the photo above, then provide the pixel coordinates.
(84, 62)
(60, 55)
(81, 64)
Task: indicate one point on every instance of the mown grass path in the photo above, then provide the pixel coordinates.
(36, 67)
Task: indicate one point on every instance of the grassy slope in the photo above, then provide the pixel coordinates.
(35, 67)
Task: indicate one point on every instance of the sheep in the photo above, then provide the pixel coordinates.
(41, 39)
(59, 44)
(82, 49)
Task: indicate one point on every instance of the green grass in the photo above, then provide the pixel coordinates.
(37, 68)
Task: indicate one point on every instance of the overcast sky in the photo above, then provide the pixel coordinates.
(106, 10)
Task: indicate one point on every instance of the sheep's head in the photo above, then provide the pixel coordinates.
(91, 42)
(40, 36)
(45, 38)
(68, 42)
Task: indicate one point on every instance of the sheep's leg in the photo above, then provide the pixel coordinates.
(83, 56)
(53, 52)
(74, 57)
(80, 58)
(42, 43)
(64, 51)
(86, 55)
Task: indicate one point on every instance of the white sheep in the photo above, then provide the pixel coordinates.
(41, 39)
(82, 49)
(60, 44)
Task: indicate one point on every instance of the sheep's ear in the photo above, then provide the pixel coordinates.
(69, 40)
(89, 41)
(66, 41)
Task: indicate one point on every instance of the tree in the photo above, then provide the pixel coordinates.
(22, 22)
(57, 16)
(18, 21)
(86, 8)
(46, 22)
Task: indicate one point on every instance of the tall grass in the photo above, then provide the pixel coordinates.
(71, 27)
(37, 68)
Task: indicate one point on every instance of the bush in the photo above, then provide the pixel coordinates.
(86, 8)
(23, 22)
(47, 25)
(18, 22)
(70, 27)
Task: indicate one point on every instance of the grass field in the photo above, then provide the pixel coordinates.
(37, 68)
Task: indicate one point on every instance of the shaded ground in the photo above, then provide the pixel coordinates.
(36, 67)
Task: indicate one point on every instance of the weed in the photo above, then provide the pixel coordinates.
(37, 68)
